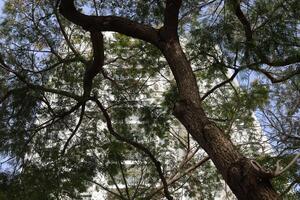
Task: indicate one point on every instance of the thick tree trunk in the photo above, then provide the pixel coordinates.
(243, 178)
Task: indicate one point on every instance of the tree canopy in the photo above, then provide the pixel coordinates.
(150, 99)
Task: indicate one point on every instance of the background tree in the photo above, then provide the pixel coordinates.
(61, 83)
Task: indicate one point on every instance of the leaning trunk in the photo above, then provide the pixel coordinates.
(243, 178)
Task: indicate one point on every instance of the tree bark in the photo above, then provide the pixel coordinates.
(243, 178)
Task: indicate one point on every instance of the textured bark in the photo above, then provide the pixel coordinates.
(243, 178)
(245, 181)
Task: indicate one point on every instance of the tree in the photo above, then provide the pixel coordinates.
(219, 38)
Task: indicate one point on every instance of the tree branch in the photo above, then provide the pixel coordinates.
(243, 19)
(249, 40)
(108, 23)
(106, 189)
(180, 175)
(274, 79)
(171, 15)
(283, 62)
(220, 85)
(48, 68)
(74, 131)
(124, 179)
(279, 171)
(136, 145)
(38, 87)
(97, 64)
(69, 44)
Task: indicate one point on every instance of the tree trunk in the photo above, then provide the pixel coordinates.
(243, 178)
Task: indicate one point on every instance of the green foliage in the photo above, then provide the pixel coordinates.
(138, 91)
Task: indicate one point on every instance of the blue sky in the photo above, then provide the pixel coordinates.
(1, 6)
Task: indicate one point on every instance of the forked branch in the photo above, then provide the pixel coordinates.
(136, 145)
(278, 171)
(74, 131)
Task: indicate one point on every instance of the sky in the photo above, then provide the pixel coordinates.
(1, 6)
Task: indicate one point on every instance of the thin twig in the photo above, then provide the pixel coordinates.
(75, 130)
